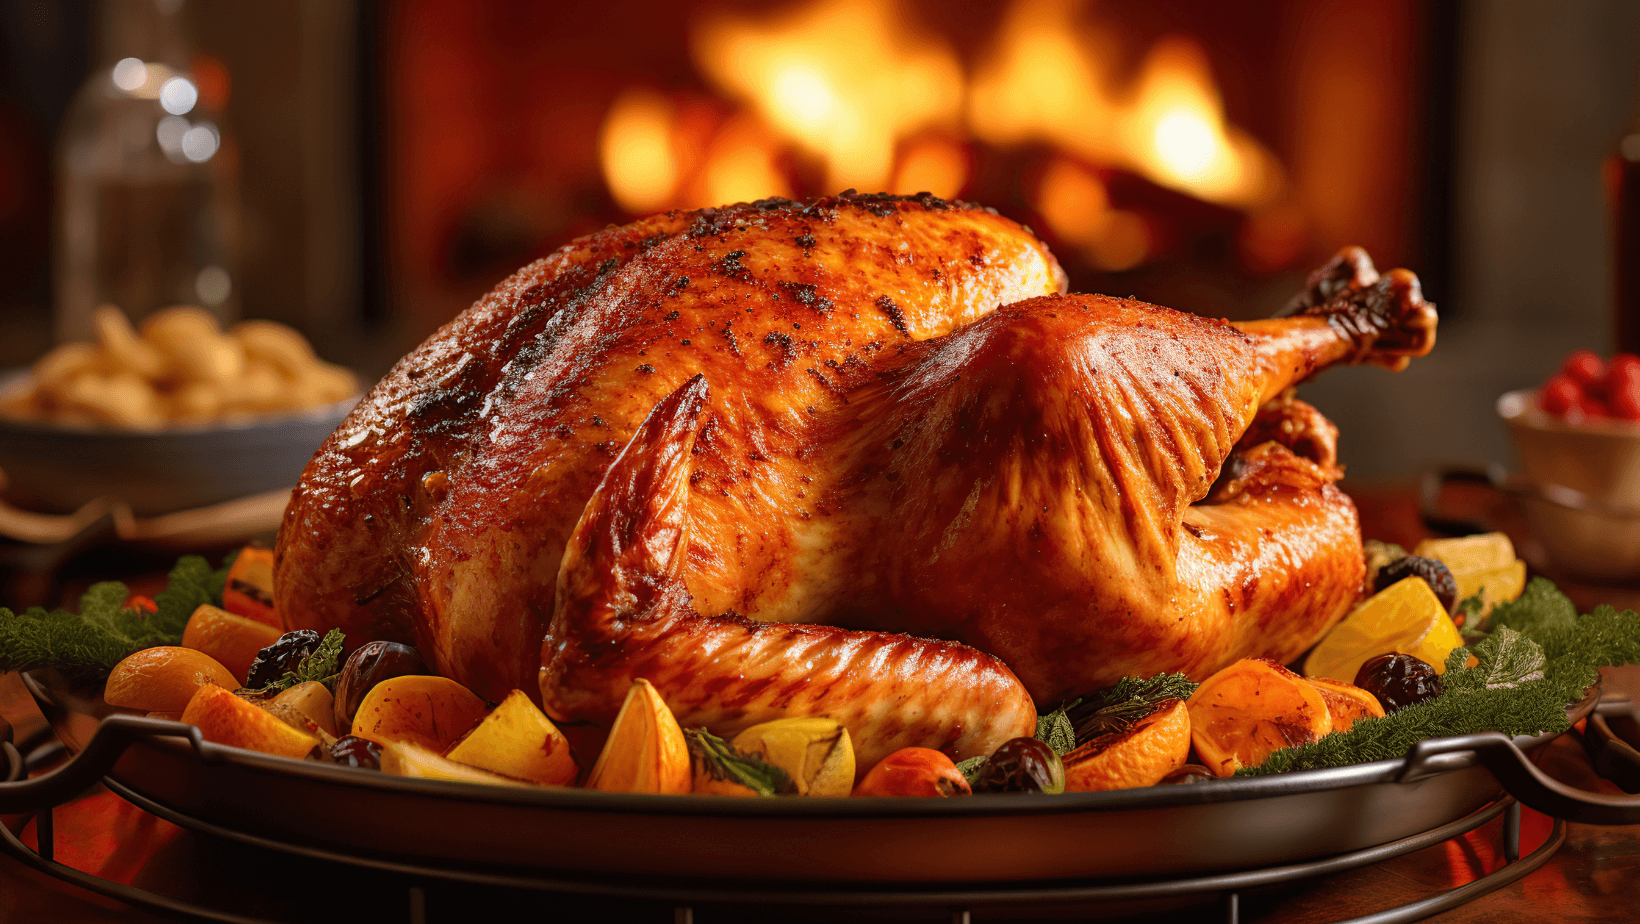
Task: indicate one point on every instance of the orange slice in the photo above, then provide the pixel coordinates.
(1346, 702)
(1155, 746)
(1404, 617)
(1250, 710)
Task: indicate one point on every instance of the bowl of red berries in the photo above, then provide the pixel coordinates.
(1578, 438)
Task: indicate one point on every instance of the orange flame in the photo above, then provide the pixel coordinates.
(637, 152)
(1045, 80)
(880, 105)
(844, 79)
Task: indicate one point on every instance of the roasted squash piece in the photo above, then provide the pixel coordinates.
(646, 750)
(249, 589)
(163, 679)
(1252, 709)
(421, 709)
(226, 719)
(1150, 749)
(1346, 702)
(234, 641)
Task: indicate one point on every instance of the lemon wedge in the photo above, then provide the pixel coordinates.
(1405, 617)
(1482, 552)
(1483, 565)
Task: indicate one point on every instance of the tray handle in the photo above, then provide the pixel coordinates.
(114, 735)
(1523, 780)
(1612, 757)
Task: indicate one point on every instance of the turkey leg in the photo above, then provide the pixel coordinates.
(1346, 314)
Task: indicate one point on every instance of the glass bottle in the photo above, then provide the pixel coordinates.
(146, 214)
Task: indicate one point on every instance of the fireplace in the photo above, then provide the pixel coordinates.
(1202, 156)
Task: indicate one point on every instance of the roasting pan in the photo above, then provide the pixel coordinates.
(1201, 828)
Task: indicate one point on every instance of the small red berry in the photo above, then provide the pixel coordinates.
(1623, 393)
(1584, 367)
(1560, 394)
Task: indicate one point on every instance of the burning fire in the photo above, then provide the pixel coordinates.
(1046, 81)
(845, 79)
(849, 87)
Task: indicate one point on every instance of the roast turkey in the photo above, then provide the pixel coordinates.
(858, 457)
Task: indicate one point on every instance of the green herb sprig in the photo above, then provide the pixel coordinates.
(85, 646)
(1055, 729)
(723, 762)
(323, 664)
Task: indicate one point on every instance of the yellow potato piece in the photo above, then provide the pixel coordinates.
(816, 752)
(1404, 617)
(517, 740)
(420, 708)
(1482, 552)
(646, 751)
(1498, 585)
(401, 758)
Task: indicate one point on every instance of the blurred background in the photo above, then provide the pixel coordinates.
(363, 171)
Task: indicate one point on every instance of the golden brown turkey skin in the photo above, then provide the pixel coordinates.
(739, 452)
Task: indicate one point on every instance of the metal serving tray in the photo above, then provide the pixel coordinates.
(1216, 826)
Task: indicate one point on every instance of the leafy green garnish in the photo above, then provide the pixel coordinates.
(1056, 731)
(1506, 659)
(1539, 657)
(722, 762)
(85, 646)
(322, 665)
(971, 769)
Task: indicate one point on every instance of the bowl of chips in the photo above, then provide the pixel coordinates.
(178, 415)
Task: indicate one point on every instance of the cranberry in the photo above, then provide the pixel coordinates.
(1022, 765)
(1585, 368)
(281, 657)
(1560, 395)
(370, 665)
(1435, 574)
